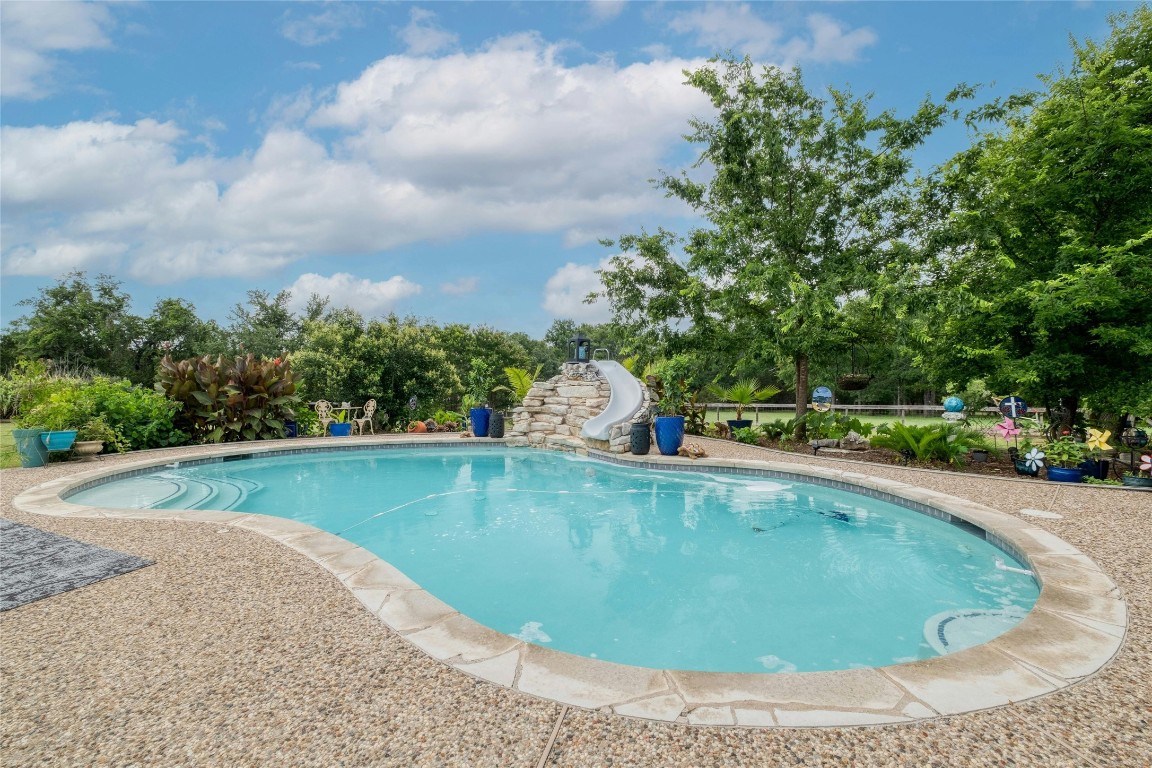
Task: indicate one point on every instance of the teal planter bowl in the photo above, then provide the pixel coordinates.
(59, 441)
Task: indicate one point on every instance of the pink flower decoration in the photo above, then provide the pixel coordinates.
(1146, 463)
(1007, 429)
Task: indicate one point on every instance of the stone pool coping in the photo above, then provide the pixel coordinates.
(1075, 629)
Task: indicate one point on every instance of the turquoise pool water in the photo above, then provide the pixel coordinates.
(656, 569)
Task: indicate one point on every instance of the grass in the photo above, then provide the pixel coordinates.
(767, 417)
(8, 456)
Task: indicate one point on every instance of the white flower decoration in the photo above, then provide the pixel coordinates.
(1034, 459)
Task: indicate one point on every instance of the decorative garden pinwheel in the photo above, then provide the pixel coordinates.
(1097, 440)
(1007, 428)
(1034, 459)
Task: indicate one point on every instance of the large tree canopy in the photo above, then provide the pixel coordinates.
(1046, 287)
(808, 205)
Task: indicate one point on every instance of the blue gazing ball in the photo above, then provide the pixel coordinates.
(953, 404)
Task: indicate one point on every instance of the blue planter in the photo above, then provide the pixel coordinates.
(479, 418)
(669, 434)
(1097, 468)
(340, 428)
(30, 447)
(59, 441)
(739, 423)
(1066, 475)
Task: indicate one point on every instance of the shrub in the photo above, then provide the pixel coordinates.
(942, 442)
(230, 400)
(144, 419)
(746, 435)
(140, 418)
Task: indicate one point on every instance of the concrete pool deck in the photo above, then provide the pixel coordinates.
(234, 646)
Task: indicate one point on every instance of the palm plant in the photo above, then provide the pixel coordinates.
(520, 381)
(743, 393)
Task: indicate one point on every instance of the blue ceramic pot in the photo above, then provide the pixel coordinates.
(1097, 468)
(1066, 475)
(340, 428)
(739, 423)
(669, 434)
(479, 418)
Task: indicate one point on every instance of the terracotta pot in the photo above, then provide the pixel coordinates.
(417, 427)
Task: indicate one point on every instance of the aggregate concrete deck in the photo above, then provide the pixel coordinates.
(236, 649)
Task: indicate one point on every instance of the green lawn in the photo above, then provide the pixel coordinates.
(8, 456)
(767, 417)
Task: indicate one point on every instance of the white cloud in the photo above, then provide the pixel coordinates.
(323, 27)
(345, 290)
(56, 256)
(566, 289)
(30, 33)
(460, 287)
(605, 10)
(423, 35)
(724, 26)
(508, 138)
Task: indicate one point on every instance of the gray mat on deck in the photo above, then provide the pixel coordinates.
(35, 564)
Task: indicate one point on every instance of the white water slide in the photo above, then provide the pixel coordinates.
(626, 400)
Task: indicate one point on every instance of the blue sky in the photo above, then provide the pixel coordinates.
(454, 161)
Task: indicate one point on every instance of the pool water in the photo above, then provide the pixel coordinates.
(694, 571)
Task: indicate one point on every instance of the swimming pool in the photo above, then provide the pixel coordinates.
(715, 572)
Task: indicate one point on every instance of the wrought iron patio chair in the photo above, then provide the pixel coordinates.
(324, 415)
(369, 411)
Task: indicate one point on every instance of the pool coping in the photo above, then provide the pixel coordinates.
(1077, 626)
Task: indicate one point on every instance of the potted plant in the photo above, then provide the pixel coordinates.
(92, 436)
(1141, 476)
(1096, 465)
(340, 425)
(1064, 456)
(742, 394)
(669, 423)
(54, 424)
(475, 401)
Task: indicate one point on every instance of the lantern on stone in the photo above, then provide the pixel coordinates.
(579, 349)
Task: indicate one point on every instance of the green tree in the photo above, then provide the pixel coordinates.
(809, 202)
(79, 323)
(266, 328)
(343, 358)
(173, 329)
(1044, 289)
(497, 349)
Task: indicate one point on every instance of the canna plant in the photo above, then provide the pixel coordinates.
(230, 399)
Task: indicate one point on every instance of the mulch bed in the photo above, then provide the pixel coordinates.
(996, 465)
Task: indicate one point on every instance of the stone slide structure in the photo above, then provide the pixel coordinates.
(554, 412)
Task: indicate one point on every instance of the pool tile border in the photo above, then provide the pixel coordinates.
(1076, 627)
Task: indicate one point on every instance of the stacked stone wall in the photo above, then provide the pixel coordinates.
(554, 412)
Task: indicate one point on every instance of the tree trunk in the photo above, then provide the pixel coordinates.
(801, 396)
(1068, 405)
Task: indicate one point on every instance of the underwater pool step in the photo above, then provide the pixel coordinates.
(223, 493)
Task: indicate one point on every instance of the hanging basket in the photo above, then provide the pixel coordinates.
(852, 382)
